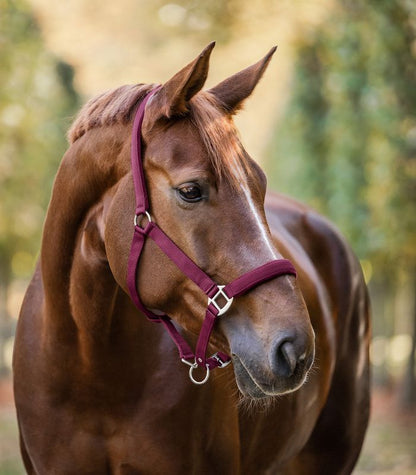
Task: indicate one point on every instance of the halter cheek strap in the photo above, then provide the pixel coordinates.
(220, 297)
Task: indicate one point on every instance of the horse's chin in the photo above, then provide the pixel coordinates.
(251, 387)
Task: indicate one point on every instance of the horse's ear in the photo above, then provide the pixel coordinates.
(233, 91)
(171, 99)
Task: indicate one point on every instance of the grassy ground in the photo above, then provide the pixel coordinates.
(10, 463)
(389, 449)
(390, 445)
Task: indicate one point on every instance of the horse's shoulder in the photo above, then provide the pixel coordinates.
(321, 243)
(34, 294)
(305, 224)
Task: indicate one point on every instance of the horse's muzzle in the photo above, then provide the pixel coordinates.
(281, 370)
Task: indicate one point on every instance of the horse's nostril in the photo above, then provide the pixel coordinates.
(289, 356)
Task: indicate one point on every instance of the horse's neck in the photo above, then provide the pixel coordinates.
(92, 288)
(84, 175)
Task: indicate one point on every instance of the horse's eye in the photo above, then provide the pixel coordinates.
(190, 192)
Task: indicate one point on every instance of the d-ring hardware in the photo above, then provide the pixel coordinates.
(138, 217)
(192, 367)
(228, 300)
(221, 363)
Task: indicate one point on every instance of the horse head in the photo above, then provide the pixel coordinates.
(208, 195)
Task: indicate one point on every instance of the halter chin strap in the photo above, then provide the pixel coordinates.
(220, 297)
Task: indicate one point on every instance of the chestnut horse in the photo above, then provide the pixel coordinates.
(100, 389)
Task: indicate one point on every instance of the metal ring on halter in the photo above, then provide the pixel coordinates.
(192, 367)
(140, 215)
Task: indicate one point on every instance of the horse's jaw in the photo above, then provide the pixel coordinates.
(258, 384)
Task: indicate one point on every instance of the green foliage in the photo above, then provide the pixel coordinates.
(347, 142)
(37, 100)
(213, 19)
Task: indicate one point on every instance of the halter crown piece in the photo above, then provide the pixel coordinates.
(220, 297)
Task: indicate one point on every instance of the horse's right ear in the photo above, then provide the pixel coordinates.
(171, 99)
(232, 92)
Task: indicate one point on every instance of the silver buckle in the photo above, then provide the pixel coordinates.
(193, 366)
(221, 363)
(221, 293)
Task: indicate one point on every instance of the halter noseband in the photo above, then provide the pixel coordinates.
(220, 297)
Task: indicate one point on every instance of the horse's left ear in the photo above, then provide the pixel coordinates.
(233, 91)
(171, 99)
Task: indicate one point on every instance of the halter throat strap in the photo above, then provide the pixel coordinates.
(220, 297)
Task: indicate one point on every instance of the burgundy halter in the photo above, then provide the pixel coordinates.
(220, 297)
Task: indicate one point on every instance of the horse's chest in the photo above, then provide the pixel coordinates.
(146, 438)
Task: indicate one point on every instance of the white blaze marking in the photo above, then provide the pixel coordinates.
(259, 222)
(238, 172)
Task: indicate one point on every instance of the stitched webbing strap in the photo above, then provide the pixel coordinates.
(259, 275)
(235, 288)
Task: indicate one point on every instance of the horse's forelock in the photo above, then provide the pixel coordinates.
(215, 128)
(220, 138)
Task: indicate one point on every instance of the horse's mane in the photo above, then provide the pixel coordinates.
(111, 107)
(216, 129)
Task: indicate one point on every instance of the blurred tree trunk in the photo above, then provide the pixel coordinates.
(383, 294)
(5, 321)
(408, 393)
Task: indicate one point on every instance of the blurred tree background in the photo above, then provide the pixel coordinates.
(347, 145)
(37, 99)
(333, 122)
